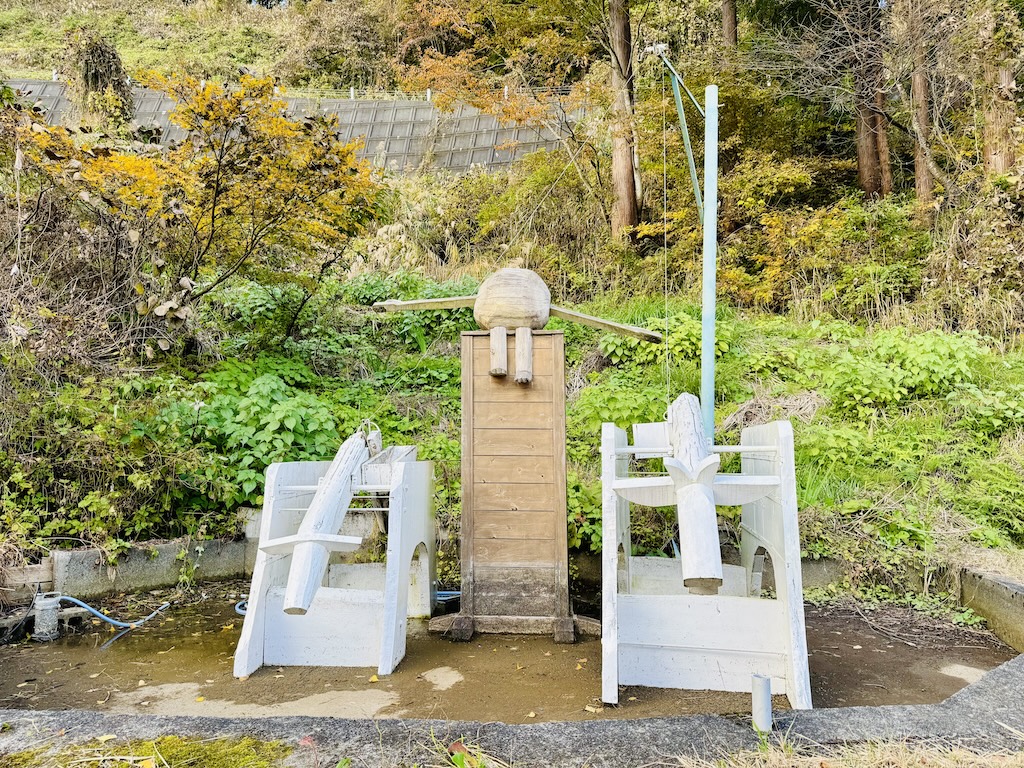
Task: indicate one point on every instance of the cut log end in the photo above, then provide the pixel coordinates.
(499, 352)
(702, 586)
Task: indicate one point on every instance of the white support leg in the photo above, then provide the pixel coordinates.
(612, 440)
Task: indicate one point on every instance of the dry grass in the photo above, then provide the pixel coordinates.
(763, 408)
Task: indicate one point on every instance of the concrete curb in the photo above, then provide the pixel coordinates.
(85, 573)
(985, 716)
(999, 600)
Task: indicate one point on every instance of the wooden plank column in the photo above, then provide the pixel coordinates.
(515, 575)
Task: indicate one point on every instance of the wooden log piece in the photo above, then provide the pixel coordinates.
(499, 351)
(524, 355)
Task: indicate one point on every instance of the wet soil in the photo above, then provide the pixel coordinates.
(180, 663)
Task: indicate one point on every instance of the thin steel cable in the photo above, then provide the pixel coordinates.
(664, 249)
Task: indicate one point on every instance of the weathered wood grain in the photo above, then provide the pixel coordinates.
(492, 524)
(494, 390)
(499, 352)
(525, 415)
(514, 469)
(512, 442)
(541, 362)
(514, 497)
(515, 551)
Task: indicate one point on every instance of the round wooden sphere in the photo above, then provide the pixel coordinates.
(513, 298)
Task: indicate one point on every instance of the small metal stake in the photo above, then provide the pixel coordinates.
(761, 704)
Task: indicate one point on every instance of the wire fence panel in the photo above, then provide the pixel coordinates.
(397, 131)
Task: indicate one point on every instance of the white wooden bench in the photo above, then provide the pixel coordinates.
(693, 622)
(304, 610)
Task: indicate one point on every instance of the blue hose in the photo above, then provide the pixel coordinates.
(241, 607)
(122, 624)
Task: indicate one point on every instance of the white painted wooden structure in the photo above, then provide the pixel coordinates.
(304, 608)
(694, 622)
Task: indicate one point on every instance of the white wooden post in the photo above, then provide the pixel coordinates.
(613, 440)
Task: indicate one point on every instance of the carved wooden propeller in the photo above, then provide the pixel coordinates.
(516, 299)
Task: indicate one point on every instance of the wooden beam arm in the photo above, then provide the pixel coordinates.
(451, 302)
(606, 325)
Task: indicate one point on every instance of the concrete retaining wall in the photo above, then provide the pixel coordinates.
(85, 572)
(999, 600)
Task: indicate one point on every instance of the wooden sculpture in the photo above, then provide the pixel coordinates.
(514, 300)
(513, 549)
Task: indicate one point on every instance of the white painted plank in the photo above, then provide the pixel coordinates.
(612, 465)
(703, 621)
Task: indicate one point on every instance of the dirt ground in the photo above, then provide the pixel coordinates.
(181, 663)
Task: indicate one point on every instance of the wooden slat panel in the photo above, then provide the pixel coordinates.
(512, 442)
(488, 389)
(513, 469)
(540, 340)
(514, 496)
(534, 593)
(542, 363)
(514, 415)
(514, 525)
(514, 551)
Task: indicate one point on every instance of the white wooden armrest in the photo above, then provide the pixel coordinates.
(734, 490)
(631, 450)
(729, 490)
(332, 542)
(656, 491)
(745, 448)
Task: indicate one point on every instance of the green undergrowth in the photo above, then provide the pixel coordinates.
(909, 444)
(936, 604)
(166, 751)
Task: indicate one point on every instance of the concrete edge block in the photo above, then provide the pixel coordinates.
(999, 600)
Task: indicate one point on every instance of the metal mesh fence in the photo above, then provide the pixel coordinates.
(396, 134)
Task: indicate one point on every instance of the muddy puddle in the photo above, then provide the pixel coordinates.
(180, 663)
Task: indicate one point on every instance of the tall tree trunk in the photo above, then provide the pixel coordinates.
(882, 143)
(1000, 113)
(998, 105)
(874, 173)
(625, 210)
(729, 34)
(869, 171)
(924, 182)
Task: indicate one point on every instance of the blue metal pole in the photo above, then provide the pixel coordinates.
(710, 266)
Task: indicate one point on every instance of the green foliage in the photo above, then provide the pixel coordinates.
(894, 366)
(931, 363)
(684, 342)
(619, 401)
(986, 412)
(860, 385)
(269, 420)
(938, 605)
(852, 258)
(584, 510)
